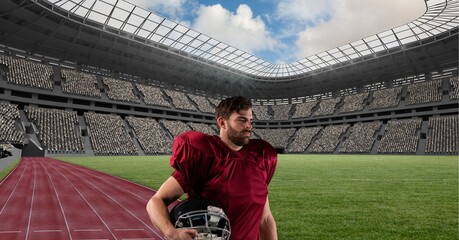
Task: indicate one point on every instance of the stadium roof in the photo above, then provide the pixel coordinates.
(122, 37)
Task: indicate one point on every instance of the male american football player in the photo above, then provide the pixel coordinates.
(230, 169)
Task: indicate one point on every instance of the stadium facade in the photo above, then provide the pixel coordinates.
(77, 78)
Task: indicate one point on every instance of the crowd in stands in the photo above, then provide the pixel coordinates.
(354, 103)
(205, 128)
(329, 140)
(27, 73)
(175, 127)
(152, 138)
(327, 107)
(454, 83)
(400, 136)
(279, 138)
(180, 100)
(361, 138)
(120, 90)
(303, 138)
(203, 104)
(386, 98)
(444, 137)
(261, 112)
(58, 130)
(425, 92)
(108, 135)
(281, 112)
(79, 83)
(9, 113)
(304, 110)
(152, 95)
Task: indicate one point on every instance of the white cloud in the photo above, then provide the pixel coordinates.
(170, 8)
(240, 29)
(348, 21)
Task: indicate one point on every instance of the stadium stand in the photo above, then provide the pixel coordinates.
(279, 138)
(175, 127)
(180, 100)
(304, 110)
(454, 86)
(361, 138)
(329, 140)
(202, 127)
(202, 103)
(79, 83)
(152, 95)
(426, 92)
(302, 139)
(109, 135)
(9, 113)
(261, 112)
(353, 103)
(327, 106)
(401, 136)
(281, 112)
(386, 98)
(151, 136)
(444, 135)
(57, 129)
(120, 90)
(27, 73)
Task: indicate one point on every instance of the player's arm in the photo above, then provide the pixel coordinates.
(268, 229)
(169, 191)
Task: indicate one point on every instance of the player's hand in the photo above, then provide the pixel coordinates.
(182, 234)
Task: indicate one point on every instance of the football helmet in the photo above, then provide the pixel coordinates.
(204, 216)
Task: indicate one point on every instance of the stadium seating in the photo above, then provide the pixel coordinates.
(361, 138)
(120, 90)
(79, 83)
(454, 83)
(9, 113)
(152, 95)
(302, 139)
(312, 126)
(58, 130)
(152, 138)
(444, 137)
(386, 98)
(108, 135)
(401, 136)
(28, 73)
(354, 103)
(329, 140)
(426, 92)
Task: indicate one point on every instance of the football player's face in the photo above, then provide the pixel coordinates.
(239, 127)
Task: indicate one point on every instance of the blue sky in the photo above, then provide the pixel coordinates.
(282, 31)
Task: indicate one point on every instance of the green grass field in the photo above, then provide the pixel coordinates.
(339, 196)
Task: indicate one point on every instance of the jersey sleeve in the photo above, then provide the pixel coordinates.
(189, 164)
(270, 160)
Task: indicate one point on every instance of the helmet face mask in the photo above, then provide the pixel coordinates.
(204, 216)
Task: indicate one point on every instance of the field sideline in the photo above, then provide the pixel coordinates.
(338, 196)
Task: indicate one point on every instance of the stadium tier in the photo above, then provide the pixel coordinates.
(90, 94)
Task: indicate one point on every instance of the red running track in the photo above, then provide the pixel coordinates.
(49, 199)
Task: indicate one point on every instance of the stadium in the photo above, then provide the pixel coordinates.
(81, 84)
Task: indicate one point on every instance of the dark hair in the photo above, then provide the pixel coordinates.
(231, 105)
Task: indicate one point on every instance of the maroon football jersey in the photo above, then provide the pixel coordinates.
(237, 180)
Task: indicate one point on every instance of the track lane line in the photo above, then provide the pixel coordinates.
(79, 174)
(86, 201)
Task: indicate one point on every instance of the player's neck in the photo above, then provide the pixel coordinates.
(229, 143)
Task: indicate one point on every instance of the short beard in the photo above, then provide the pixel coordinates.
(236, 137)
